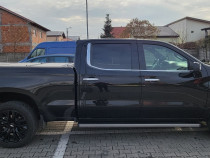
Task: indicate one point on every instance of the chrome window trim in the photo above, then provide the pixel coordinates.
(88, 54)
(89, 64)
(168, 70)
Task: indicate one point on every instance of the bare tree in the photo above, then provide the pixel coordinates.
(182, 36)
(139, 29)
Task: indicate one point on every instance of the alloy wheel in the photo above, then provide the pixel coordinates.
(13, 126)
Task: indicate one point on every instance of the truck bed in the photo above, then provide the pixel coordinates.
(48, 86)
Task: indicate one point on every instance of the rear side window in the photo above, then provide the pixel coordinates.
(37, 52)
(111, 56)
(38, 60)
(58, 60)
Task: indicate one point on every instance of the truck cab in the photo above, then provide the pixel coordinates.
(141, 81)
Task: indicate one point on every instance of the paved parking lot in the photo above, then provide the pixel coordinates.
(65, 139)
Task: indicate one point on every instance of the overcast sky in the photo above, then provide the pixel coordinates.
(57, 15)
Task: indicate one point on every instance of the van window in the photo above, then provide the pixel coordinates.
(58, 59)
(38, 60)
(37, 52)
(111, 56)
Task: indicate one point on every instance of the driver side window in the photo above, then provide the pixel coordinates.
(162, 58)
(37, 52)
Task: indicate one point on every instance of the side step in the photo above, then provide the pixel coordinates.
(135, 125)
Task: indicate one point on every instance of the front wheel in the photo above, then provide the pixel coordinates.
(18, 124)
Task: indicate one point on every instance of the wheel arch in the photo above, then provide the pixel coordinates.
(20, 95)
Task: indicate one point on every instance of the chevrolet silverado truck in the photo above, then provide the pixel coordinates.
(112, 83)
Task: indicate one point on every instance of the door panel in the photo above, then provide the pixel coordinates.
(170, 91)
(111, 86)
(172, 96)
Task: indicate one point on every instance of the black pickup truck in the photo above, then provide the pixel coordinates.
(113, 83)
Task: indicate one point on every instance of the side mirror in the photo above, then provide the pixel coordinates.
(196, 66)
(195, 72)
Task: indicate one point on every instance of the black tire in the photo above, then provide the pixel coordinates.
(18, 124)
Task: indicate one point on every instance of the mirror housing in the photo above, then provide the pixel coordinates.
(195, 72)
(196, 67)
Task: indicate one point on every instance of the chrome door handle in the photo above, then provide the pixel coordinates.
(152, 80)
(90, 79)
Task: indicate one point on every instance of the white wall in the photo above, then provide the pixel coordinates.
(180, 28)
(184, 28)
(196, 27)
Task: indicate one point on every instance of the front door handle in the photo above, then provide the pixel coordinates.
(152, 80)
(90, 79)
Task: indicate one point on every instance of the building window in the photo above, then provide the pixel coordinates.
(40, 34)
(192, 31)
(34, 33)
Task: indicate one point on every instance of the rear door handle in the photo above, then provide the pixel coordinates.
(152, 80)
(90, 79)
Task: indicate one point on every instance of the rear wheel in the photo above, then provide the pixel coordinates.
(18, 124)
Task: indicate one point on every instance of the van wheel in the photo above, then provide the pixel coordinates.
(18, 124)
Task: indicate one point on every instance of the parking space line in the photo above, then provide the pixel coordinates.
(61, 148)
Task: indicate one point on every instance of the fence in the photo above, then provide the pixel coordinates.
(193, 52)
(12, 57)
(201, 54)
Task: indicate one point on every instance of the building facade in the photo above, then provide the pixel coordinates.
(56, 36)
(189, 29)
(164, 33)
(19, 34)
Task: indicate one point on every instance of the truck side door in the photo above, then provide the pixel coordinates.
(170, 89)
(111, 89)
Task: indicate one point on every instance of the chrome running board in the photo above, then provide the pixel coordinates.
(135, 125)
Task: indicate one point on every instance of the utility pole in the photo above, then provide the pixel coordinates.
(87, 18)
(67, 32)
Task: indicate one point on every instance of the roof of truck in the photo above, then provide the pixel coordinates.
(124, 40)
(120, 39)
